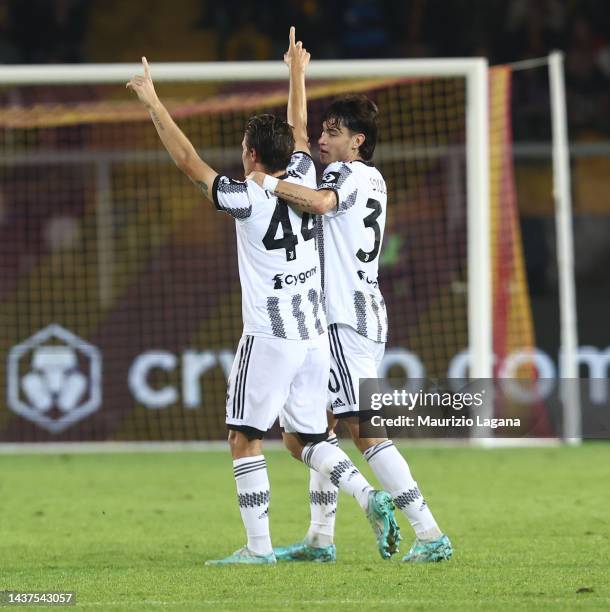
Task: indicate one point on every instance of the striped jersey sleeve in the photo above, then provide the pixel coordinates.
(231, 196)
(301, 170)
(339, 177)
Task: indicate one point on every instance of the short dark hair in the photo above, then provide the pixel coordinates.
(272, 139)
(359, 115)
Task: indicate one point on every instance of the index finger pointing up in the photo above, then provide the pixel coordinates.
(291, 36)
(146, 68)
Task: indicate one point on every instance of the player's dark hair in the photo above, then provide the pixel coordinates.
(272, 139)
(358, 114)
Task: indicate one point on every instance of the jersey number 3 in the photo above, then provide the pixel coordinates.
(371, 221)
(288, 241)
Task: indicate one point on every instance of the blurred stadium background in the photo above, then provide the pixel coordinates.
(104, 246)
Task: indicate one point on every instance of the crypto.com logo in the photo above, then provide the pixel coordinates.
(54, 378)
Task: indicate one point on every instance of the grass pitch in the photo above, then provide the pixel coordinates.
(530, 528)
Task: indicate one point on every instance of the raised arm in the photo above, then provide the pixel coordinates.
(297, 60)
(177, 144)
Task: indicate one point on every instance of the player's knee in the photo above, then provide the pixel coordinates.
(332, 422)
(364, 444)
(293, 445)
(232, 437)
(235, 441)
(294, 451)
(241, 446)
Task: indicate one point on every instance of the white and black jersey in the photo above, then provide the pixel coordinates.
(279, 265)
(352, 236)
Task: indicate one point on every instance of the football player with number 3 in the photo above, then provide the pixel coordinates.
(352, 198)
(282, 360)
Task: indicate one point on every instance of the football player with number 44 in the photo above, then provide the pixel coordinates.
(352, 200)
(282, 360)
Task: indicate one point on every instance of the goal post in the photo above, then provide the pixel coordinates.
(562, 195)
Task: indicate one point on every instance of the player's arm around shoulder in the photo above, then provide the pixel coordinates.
(179, 147)
(300, 197)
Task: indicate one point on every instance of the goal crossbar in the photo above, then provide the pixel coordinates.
(53, 74)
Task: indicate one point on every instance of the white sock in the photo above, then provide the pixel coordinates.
(338, 467)
(395, 477)
(253, 498)
(322, 507)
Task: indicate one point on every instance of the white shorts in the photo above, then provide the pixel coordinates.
(274, 377)
(352, 357)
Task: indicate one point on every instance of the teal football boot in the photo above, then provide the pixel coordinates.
(244, 556)
(302, 551)
(430, 552)
(380, 513)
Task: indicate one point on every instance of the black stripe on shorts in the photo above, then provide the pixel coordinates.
(342, 362)
(249, 345)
